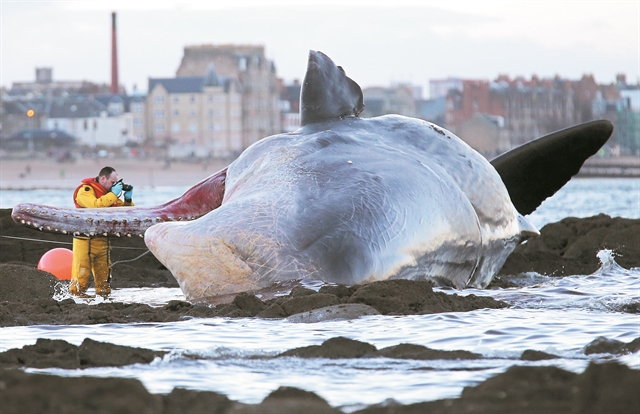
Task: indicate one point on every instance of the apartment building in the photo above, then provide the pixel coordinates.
(198, 116)
(257, 76)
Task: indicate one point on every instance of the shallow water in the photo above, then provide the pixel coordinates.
(558, 316)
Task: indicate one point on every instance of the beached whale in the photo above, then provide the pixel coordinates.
(345, 200)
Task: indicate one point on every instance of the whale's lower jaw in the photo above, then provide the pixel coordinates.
(202, 267)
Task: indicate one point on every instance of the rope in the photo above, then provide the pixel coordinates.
(130, 260)
(58, 242)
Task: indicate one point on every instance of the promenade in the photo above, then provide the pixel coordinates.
(50, 174)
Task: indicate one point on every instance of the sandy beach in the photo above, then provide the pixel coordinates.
(43, 173)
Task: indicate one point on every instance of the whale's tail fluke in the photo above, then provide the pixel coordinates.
(537, 169)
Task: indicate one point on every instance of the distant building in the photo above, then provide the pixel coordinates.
(400, 99)
(531, 108)
(197, 116)
(94, 123)
(290, 105)
(486, 134)
(80, 108)
(627, 110)
(439, 88)
(45, 86)
(257, 75)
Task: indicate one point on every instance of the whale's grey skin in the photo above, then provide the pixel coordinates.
(347, 201)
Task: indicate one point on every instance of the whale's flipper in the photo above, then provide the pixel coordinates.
(327, 93)
(537, 169)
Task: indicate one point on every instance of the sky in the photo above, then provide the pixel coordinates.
(378, 43)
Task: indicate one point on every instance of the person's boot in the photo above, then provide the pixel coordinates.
(80, 268)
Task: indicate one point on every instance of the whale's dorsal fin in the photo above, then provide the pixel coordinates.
(536, 170)
(327, 93)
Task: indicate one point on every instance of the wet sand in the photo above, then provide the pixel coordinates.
(566, 247)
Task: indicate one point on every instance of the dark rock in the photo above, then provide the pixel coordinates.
(46, 353)
(272, 312)
(608, 388)
(21, 283)
(308, 302)
(533, 355)
(289, 400)
(411, 351)
(338, 347)
(409, 297)
(46, 394)
(101, 354)
(569, 247)
(602, 345)
(249, 303)
(183, 401)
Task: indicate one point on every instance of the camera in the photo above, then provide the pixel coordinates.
(125, 187)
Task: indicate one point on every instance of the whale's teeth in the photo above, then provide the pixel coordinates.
(147, 219)
(77, 233)
(56, 230)
(22, 221)
(33, 210)
(77, 217)
(141, 235)
(53, 213)
(92, 234)
(66, 215)
(40, 228)
(48, 228)
(115, 220)
(43, 212)
(117, 234)
(179, 218)
(128, 234)
(105, 234)
(28, 223)
(136, 219)
(89, 219)
(64, 232)
(124, 221)
(36, 225)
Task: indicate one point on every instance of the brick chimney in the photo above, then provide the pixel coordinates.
(114, 56)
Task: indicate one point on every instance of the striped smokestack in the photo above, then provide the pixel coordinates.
(114, 56)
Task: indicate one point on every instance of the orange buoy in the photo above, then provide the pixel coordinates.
(57, 262)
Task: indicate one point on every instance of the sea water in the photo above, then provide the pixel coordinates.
(236, 357)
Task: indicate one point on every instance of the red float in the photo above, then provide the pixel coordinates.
(58, 262)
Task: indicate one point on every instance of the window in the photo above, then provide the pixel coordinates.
(210, 98)
(159, 99)
(210, 127)
(192, 99)
(192, 114)
(159, 127)
(159, 114)
(176, 112)
(210, 113)
(137, 122)
(176, 127)
(176, 99)
(86, 125)
(193, 127)
(136, 108)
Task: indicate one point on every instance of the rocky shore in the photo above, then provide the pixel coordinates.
(564, 248)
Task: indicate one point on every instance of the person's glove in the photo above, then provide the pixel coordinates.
(117, 188)
(128, 195)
